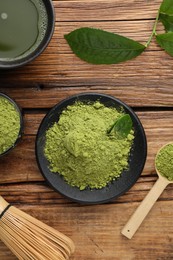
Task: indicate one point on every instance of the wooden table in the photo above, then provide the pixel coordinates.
(144, 83)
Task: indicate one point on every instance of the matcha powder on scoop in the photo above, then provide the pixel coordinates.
(164, 161)
(9, 124)
(79, 148)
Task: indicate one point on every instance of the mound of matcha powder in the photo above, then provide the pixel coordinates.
(164, 161)
(79, 148)
(9, 124)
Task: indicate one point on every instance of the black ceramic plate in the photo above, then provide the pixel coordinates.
(18, 109)
(114, 189)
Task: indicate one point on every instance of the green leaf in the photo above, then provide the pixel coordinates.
(166, 15)
(166, 7)
(166, 42)
(167, 21)
(101, 47)
(122, 126)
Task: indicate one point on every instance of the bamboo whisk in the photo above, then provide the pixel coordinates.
(29, 238)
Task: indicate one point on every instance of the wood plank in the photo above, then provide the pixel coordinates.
(20, 165)
(136, 93)
(57, 69)
(98, 230)
(78, 10)
(40, 193)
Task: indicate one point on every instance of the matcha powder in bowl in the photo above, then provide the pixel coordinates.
(82, 151)
(79, 148)
(10, 123)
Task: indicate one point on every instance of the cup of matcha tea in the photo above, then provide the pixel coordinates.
(26, 27)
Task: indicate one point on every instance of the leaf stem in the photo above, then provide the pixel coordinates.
(112, 126)
(154, 30)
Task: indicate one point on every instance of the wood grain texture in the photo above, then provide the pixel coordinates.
(158, 133)
(144, 83)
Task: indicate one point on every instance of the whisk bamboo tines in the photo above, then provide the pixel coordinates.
(29, 238)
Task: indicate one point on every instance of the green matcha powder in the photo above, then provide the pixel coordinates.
(164, 161)
(79, 148)
(9, 124)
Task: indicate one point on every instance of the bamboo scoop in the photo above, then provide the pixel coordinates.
(141, 212)
(29, 238)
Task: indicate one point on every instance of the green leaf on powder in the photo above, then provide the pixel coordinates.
(166, 42)
(101, 47)
(122, 126)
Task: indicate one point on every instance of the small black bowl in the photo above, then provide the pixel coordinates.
(116, 188)
(21, 61)
(18, 109)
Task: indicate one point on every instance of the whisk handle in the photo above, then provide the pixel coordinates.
(3, 205)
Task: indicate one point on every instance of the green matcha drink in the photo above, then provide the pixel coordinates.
(79, 148)
(23, 25)
(9, 124)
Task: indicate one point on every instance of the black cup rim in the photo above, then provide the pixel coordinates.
(6, 65)
(19, 110)
(88, 196)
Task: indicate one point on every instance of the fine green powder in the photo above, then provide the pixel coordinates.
(9, 124)
(164, 162)
(79, 148)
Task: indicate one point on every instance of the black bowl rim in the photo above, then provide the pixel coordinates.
(7, 65)
(99, 95)
(19, 110)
